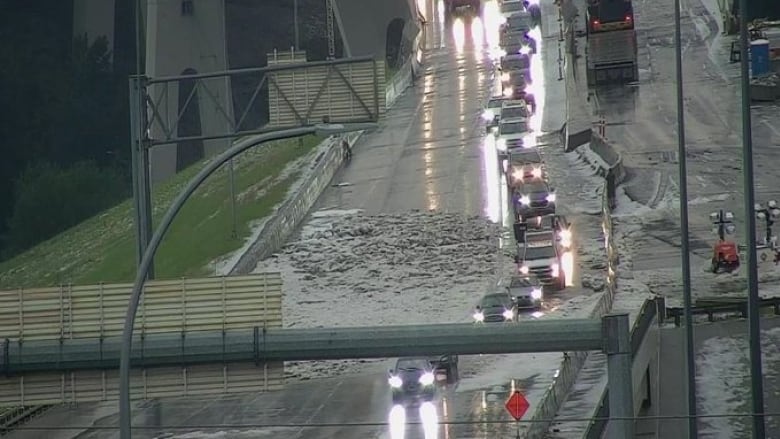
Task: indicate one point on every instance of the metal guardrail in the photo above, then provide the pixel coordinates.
(647, 314)
(14, 416)
(723, 307)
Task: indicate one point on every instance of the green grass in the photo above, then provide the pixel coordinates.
(102, 249)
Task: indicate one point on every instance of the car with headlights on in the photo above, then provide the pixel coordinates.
(533, 198)
(412, 380)
(545, 224)
(496, 307)
(492, 112)
(525, 290)
(514, 62)
(511, 134)
(541, 257)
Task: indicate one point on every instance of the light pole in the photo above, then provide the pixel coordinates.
(295, 26)
(125, 428)
(723, 222)
(754, 318)
(769, 214)
(685, 237)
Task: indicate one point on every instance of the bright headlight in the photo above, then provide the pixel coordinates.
(555, 269)
(517, 174)
(508, 314)
(488, 115)
(427, 379)
(551, 198)
(537, 172)
(505, 77)
(395, 382)
(525, 200)
(565, 236)
(508, 92)
(478, 316)
(536, 293)
(501, 144)
(524, 269)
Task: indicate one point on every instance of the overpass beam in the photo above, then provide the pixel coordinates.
(271, 345)
(619, 362)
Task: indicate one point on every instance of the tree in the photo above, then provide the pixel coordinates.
(50, 199)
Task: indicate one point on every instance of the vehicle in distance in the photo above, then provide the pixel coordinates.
(526, 291)
(511, 135)
(412, 380)
(520, 21)
(515, 109)
(541, 257)
(609, 15)
(510, 7)
(495, 308)
(536, 226)
(533, 198)
(515, 63)
(492, 112)
(513, 87)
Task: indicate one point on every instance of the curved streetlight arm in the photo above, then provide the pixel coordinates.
(178, 203)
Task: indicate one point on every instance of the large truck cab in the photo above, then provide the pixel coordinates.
(609, 15)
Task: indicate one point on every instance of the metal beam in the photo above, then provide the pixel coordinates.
(271, 345)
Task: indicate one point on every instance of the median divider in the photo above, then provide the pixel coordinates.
(578, 128)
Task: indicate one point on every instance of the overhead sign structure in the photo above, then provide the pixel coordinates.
(517, 405)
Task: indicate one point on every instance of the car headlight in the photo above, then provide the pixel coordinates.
(488, 115)
(524, 269)
(427, 379)
(536, 293)
(551, 198)
(509, 314)
(525, 50)
(501, 144)
(525, 200)
(517, 174)
(537, 172)
(478, 316)
(508, 92)
(555, 269)
(395, 382)
(505, 77)
(565, 236)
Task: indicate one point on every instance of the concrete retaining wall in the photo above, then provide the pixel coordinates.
(289, 216)
(578, 128)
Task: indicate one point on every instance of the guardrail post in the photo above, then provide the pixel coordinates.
(621, 400)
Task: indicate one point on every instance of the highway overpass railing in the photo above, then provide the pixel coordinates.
(710, 308)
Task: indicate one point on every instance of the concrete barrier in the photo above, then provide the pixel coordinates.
(400, 82)
(573, 362)
(289, 216)
(578, 128)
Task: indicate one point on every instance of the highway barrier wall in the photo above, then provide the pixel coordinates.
(572, 362)
(602, 157)
(578, 128)
(181, 307)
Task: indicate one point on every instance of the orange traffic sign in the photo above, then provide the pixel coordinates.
(517, 405)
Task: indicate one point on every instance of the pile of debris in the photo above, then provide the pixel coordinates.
(765, 88)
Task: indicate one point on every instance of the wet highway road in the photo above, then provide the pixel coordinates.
(428, 154)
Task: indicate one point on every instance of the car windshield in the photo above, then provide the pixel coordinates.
(495, 103)
(513, 112)
(412, 364)
(539, 252)
(493, 301)
(511, 6)
(521, 282)
(513, 127)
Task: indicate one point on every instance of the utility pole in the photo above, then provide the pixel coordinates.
(331, 30)
(754, 322)
(685, 238)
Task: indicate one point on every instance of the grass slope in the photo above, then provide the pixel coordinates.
(102, 249)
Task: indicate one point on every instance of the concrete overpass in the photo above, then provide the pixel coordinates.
(190, 36)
